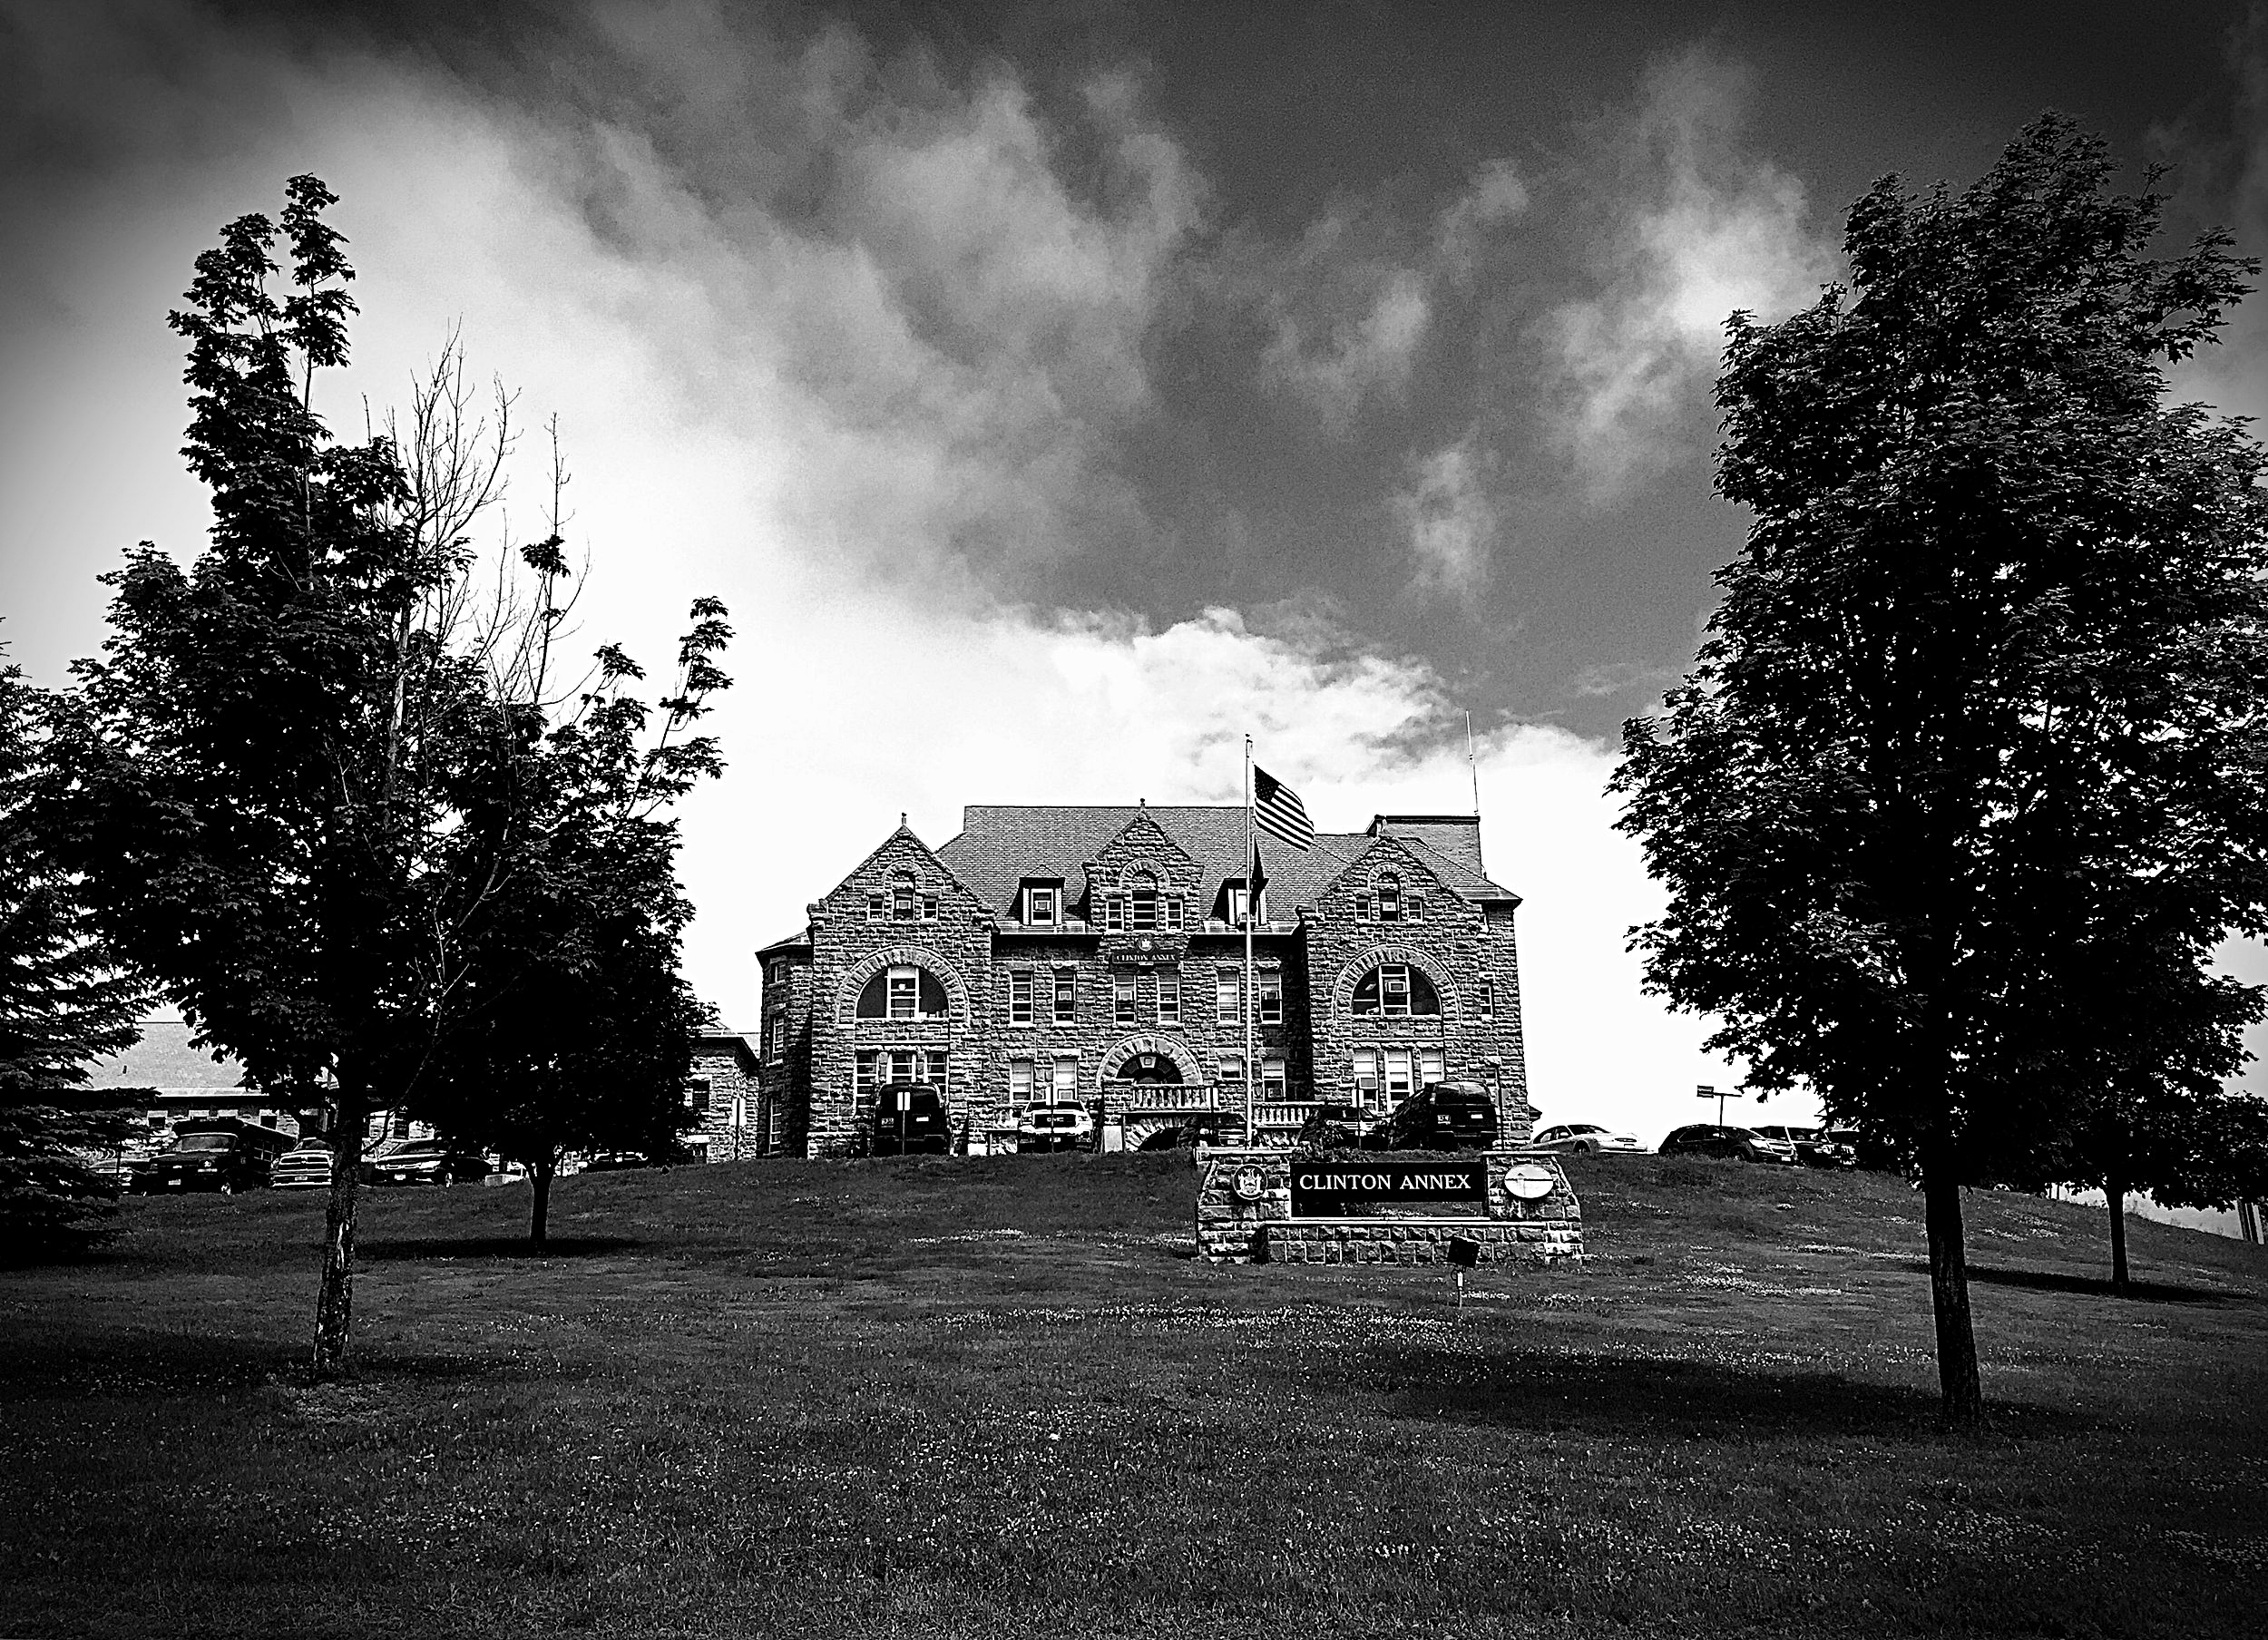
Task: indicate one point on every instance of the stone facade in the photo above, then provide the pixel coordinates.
(1233, 1227)
(1093, 956)
(725, 1095)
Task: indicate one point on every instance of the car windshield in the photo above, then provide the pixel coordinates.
(204, 1141)
(1584, 1127)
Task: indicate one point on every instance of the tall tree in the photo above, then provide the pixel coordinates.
(280, 752)
(575, 1030)
(64, 1003)
(1986, 681)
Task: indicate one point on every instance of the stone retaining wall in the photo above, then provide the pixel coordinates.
(1231, 1229)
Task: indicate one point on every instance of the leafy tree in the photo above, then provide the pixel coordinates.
(64, 1003)
(576, 1028)
(285, 776)
(1985, 689)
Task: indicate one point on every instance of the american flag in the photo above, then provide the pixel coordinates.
(1277, 811)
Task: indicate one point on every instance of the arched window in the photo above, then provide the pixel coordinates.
(1397, 991)
(903, 993)
(1142, 901)
(1387, 889)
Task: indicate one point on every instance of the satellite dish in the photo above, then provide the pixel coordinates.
(1530, 1182)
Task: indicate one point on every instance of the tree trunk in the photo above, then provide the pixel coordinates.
(1963, 1399)
(2114, 1191)
(335, 1298)
(540, 1175)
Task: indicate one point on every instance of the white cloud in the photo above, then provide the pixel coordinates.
(1351, 305)
(1703, 228)
(1449, 522)
(781, 406)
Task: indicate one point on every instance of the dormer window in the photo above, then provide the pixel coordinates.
(1040, 906)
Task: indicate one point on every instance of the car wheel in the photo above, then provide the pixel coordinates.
(1581, 1149)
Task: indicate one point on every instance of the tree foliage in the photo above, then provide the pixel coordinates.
(64, 1003)
(296, 780)
(1980, 710)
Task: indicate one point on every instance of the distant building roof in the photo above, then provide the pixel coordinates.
(163, 1059)
(1002, 845)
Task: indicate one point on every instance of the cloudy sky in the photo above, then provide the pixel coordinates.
(1057, 391)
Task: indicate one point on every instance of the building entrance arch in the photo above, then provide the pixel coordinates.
(1148, 1058)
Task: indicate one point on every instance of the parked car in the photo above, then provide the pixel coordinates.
(1056, 1128)
(224, 1157)
(1706, 1139)
(306, 1165)
(1813, 1148)
(426, 1162)
(1584, 1138)
(1335, 1128)
(1440, 1115)
(909, 1119)
(1203, 1128)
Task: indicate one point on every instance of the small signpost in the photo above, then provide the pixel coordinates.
(1465, 1253)
(1706, 1092)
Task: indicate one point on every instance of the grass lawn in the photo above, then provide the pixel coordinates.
(997, 1397)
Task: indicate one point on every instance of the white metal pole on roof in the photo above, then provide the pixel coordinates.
(1473, 768)
(1252, 911)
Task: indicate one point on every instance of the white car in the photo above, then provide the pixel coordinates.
(306, 1166)
(1584, 1138)
(1056, 1128)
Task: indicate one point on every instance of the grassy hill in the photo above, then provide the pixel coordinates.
(999, 1397)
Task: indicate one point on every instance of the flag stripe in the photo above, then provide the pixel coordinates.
(1277, 811)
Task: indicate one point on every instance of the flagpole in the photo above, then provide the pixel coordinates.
(1471, 767)
(1252, 911)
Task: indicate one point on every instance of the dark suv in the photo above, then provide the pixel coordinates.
(1441, 1116)
(226, 1158)
(909, 1119)
(426, 1162)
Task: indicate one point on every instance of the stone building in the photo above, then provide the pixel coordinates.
(1096, 956)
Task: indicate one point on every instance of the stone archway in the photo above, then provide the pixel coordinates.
(1444, 988)
(856, 976)
(1116, 1058)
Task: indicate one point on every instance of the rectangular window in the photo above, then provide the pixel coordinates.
(1366, 1071)
(1272, 1078)
(775, 1037)
(1225, 997)
(905, 992)
(1142, 908)
(1122, 996)
(869, 1071)
(1113, 912)
(1362, 908)
(1431, 1067)
(904, 1066)
(902, 903)
(1066, 1079)
(873, 908)
(1040, 906)
(1231, 1068)
(1393, 990)
(1019, 1081)
(1484, 997)
(929, 908)
(1413, 909)
(1235, 905)
(1020, 996)
(1271, 999)
(1169, 996)
(1173, 911)
(1066, 993)
(934, 1066)
(1397, 1073)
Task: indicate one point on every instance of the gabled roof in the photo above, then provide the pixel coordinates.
(1000, 845)
(798, 941)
